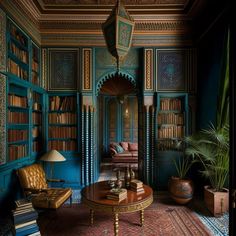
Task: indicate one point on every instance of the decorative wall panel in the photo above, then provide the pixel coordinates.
(2, 119)
(63, 69)
(171, 70)
(2, 41)
(105, 63)
(148, 67)
(44, 67)
(2, 87)
(87, 69)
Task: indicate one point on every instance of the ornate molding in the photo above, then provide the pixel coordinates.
(2, 40)
(2, 119)
(111, 75)
(19, 12)
(87, 69)
(148, 67)
(44, 68)
(69, 25)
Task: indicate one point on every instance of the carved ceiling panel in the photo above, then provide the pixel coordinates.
(112, 2)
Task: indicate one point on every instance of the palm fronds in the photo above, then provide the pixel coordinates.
(211, 148)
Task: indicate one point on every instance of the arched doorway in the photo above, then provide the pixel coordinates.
(117, 104)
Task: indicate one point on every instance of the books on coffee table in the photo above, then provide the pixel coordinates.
(136, 186)
(117, 194)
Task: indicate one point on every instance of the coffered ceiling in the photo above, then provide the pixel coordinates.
(55, 21)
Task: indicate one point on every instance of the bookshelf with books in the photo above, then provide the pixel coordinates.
(172, 127)
(172, 120)
(18, 52)
(62, 122)
(37, 122)
(18, 123)
(35, 66)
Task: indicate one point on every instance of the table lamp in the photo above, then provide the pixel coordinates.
(52, 156)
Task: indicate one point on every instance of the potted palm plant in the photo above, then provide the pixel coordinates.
(210, 147)
(180, 187)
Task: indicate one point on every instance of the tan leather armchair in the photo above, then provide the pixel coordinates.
(33, 182)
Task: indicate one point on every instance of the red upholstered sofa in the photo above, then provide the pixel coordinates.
(124, 153)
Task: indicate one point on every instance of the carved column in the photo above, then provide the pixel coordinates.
(87, 116)
(2, 87)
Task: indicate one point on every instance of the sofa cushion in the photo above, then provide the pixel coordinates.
(133, 146)
(123, 154)
(118, 148)
(124, 145)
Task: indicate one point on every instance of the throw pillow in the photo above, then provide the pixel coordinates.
(133, 146)
(119, 148)
(124, 145)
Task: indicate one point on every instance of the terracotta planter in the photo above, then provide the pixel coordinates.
(181, 190)
(216, 202)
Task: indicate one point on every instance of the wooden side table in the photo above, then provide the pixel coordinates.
(94, 196)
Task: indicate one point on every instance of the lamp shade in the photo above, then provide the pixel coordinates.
(52, 156)
(118, 31)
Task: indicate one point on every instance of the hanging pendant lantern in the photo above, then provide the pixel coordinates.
(118, 32)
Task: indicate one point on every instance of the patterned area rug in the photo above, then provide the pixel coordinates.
(161, 219)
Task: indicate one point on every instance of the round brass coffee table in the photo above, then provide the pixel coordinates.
(94, 196)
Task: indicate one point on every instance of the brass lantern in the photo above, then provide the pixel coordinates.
(118, 31)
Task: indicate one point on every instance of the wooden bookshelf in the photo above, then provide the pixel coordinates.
(37, 122)
(171, 120)
(18, 123)
(62, 123)
(18, 52)
(35, 67)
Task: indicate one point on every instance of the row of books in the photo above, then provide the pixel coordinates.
(17, 117)
(170, 118)
(62, 118)
(17, 151)
(17, 135)
(62, 132)
(67, 145)
(62, 103)
(15, 69)
(171, 132)
(37, 118)
(19, 53)
(37, 146)
(15, 100)
(25, 218)
(170, 104)
(117, 194)
(35, 65)
(35, 78)
(136, 186)
(16, 34)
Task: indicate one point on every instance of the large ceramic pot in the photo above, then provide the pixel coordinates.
(216, 202)
(181, 190)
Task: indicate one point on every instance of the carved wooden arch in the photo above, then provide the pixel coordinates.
(111, 75)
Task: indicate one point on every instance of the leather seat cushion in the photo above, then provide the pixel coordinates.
(51, 198)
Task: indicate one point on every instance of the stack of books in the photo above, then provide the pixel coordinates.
(25, 217)
(136, 186)
(117, 194)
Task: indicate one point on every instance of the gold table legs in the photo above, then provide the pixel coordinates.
(91, 216)
(141, 217)
(116, 224)
(116, 220)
